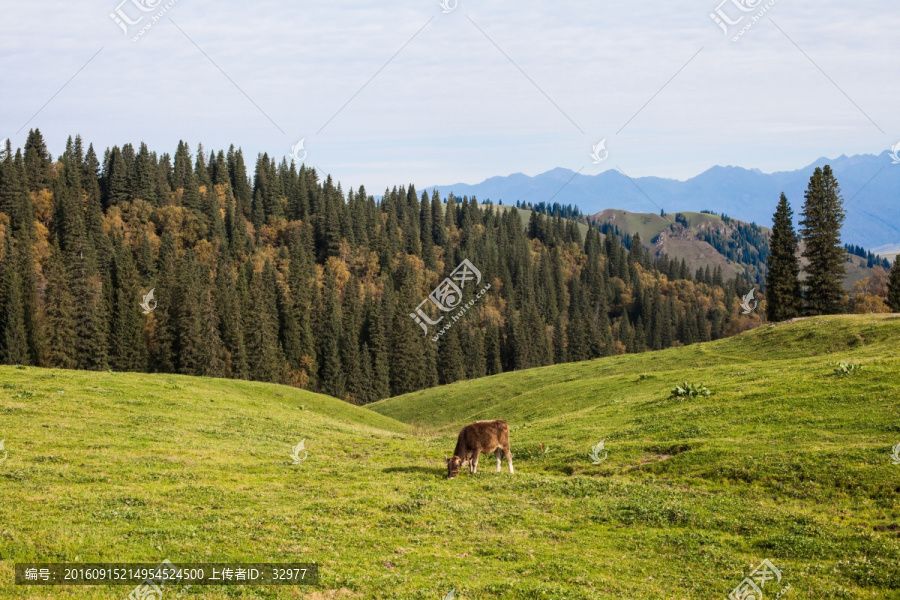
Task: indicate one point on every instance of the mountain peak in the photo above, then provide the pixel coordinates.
(746, 194)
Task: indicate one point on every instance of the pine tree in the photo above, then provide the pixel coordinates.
(474, 353)
(893, 297)
(407, 364)
(115, 178)
(426, 227)
(13, 338)
(350, 342)
(289, 327)
(626, 334)
(451, 365)
(15, 202)
(368, 376)
(783, 294)
(237, 171)
(214, 355)
(265, 355)
(438, 233)
(379, 316)
(559, 341)
(164, 350)
(37, 162)
(231, 322)
(302, 282)
(90, 311)
(332, 379)
(183, 179)
(823, 215)
(60, 308)
(191, 351)
(143, 185)
(127, 346)
(637, 250)
(493, 356)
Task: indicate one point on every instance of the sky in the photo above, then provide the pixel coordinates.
(397, 92)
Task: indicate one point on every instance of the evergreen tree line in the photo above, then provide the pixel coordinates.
(741, 243)
(744, 243)
(820, 291)
(566, 211)
(872, 259)
(282, 277)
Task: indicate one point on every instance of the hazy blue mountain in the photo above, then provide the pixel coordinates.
(870, 185)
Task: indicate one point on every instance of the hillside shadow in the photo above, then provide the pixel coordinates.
(411, 469)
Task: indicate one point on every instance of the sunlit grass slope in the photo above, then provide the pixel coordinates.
(783, 461)
(133, 467)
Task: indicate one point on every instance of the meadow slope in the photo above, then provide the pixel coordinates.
(783, 461)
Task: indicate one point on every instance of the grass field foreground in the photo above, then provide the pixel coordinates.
(785, 460)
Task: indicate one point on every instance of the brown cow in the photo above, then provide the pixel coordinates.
(478, 437)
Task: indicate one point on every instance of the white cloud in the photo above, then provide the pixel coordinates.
(450, 106)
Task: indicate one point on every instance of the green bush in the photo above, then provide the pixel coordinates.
(690, 390)
(844, 369)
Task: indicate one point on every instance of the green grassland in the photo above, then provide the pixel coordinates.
(696, 252)
(784, 460)
(682, 245)
(525, 217)
(650, 225)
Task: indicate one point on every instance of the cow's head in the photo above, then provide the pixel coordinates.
(454, 464)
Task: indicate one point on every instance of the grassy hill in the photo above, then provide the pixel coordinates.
(783, 461)
(525, 216)
(686, 242)
(111, 467)
(683, 242)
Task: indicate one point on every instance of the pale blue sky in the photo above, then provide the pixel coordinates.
(450, 106)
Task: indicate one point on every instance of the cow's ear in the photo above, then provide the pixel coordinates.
(446, 460)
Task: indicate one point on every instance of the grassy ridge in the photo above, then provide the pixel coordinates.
(783, 461)
(136, 467)
(650, 225)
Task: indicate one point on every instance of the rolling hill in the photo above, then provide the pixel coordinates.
(740, 247)
(783, 461)
(664, 235)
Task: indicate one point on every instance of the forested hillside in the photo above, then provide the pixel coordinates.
(284, 277)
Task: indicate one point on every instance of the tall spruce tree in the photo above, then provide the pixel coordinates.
(331, 372)
(127, 346)
(90, 309)
(192, 354)
(783, 293)
(230, 311)
(823, 215)
(59, 309)
(893, 297)
(164, 349)
(407, 362)
(214, 354)
(451, 363)
(13, 338)
(38, 162)
(266, 358)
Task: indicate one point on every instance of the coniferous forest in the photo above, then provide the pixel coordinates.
(279, 275)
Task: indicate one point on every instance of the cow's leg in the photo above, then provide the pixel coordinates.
(498, 452)
(508, 459)
(474, 463)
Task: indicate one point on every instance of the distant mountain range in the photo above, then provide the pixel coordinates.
(870, 185)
